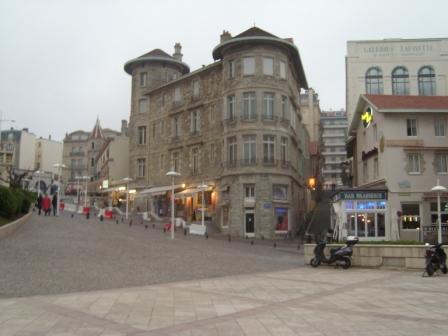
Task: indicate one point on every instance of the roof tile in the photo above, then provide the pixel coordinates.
(409, 102)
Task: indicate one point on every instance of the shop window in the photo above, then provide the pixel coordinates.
(381, 205)
(381, 224)
(410, 217)
(349, 205)
(280, 192)
(281, 217)
(365, 205)
(443, 213)
(351, 224)
(370, 224)
(361, 225)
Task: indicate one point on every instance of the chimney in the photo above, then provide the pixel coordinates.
(289, 39)
(225, 36)
(124, 127)
(25, 129)
(177, 52)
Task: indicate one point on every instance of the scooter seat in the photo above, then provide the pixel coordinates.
(334, 250)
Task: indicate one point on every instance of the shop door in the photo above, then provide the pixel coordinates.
(249, 224)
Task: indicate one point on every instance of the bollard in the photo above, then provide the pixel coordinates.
(87, 215)
(130, 222)
(122, 219)
(141, 222)
(72, 215)
(153, 225)
(185, 231)
(247, 237)
(206, 235)
(164, 230)
(116, 222)
(275, 245)
(229, 238)
(298, 246)
(146, 226)
(251, 242)
(101, 218)
(262, 237)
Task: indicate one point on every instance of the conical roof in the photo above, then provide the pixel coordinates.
(254, 36)
(156, 55)
(97, 132)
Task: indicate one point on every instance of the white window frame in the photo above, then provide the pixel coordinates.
(411, 124)
(284, 107)
(441, 163)
(248, 65)
(268, 105)
(195, 160)
(249, 191)
(141, 167)
(250, 148)
(195, 88)
(439, 126)
(231, 69)
(175, 161)
(176, 126)
(141, 130)
(177, 95)
(249, 105)
(284, 149)
(268, 66)
(232, 149)
(231, 102)
(194, 121)
(143, 105)
(269, 148)
(282, 70)
(143, 79)
(414, 164)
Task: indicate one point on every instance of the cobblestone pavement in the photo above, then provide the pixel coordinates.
(49, 255)
(301, 301)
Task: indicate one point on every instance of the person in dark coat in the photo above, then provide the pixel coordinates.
(39, 203)
(54, 202)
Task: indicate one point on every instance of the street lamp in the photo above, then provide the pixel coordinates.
(59, 167)
(438, 188)
(203, 187)
(86, 178)
(173, 174)
(127, 180)
(38, 182)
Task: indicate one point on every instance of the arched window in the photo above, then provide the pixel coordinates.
(400, 81)
(374, 81)
(426, 81)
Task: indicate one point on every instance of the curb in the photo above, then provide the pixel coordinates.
(8, 229)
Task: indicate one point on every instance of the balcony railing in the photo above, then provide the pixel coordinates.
(248, 162)
(77, 153)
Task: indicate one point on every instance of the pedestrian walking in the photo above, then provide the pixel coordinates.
(54, 202)
(46, 205)
(39, 203)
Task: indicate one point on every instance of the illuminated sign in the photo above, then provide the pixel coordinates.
(105, 184)
(367, 117)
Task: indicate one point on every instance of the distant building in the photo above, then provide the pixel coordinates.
(396, 67)
(21, 143)
(333, 139)
(234, 125)
(80, 152)
(48, 152)
(310, 112)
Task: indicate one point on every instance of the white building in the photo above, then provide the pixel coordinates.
(333, 126)
(48, 152)
(22, 144)
(400, 149)
(396, 67)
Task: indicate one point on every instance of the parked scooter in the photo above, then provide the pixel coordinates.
(435, 259)
(340, 256)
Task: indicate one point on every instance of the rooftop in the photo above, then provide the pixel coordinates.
(389, 102)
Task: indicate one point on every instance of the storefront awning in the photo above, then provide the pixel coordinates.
(192, 191)
(154, 191)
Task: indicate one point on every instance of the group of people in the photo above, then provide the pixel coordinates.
(44, 203)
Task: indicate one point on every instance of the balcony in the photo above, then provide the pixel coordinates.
(270, 162)
(76, 153)
(230, 121)
(334, 153)
(249, 118)
(248, 162)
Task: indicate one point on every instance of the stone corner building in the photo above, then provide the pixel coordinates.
(234, 125)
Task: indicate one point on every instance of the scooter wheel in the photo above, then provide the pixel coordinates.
(430, 269)
(443, 269)
(346, 262)
(314, 262)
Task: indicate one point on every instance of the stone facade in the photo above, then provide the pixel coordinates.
(235, 125)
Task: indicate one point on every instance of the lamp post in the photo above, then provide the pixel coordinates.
(77, 178)
(38, 182)
(173, 174)
(127, 180)
(59, 167)
(438, 188)
(86, 178)
(203, 187)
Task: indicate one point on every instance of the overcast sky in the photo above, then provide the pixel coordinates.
(61, 61)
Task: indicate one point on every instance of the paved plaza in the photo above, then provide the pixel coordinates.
(294, 300)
